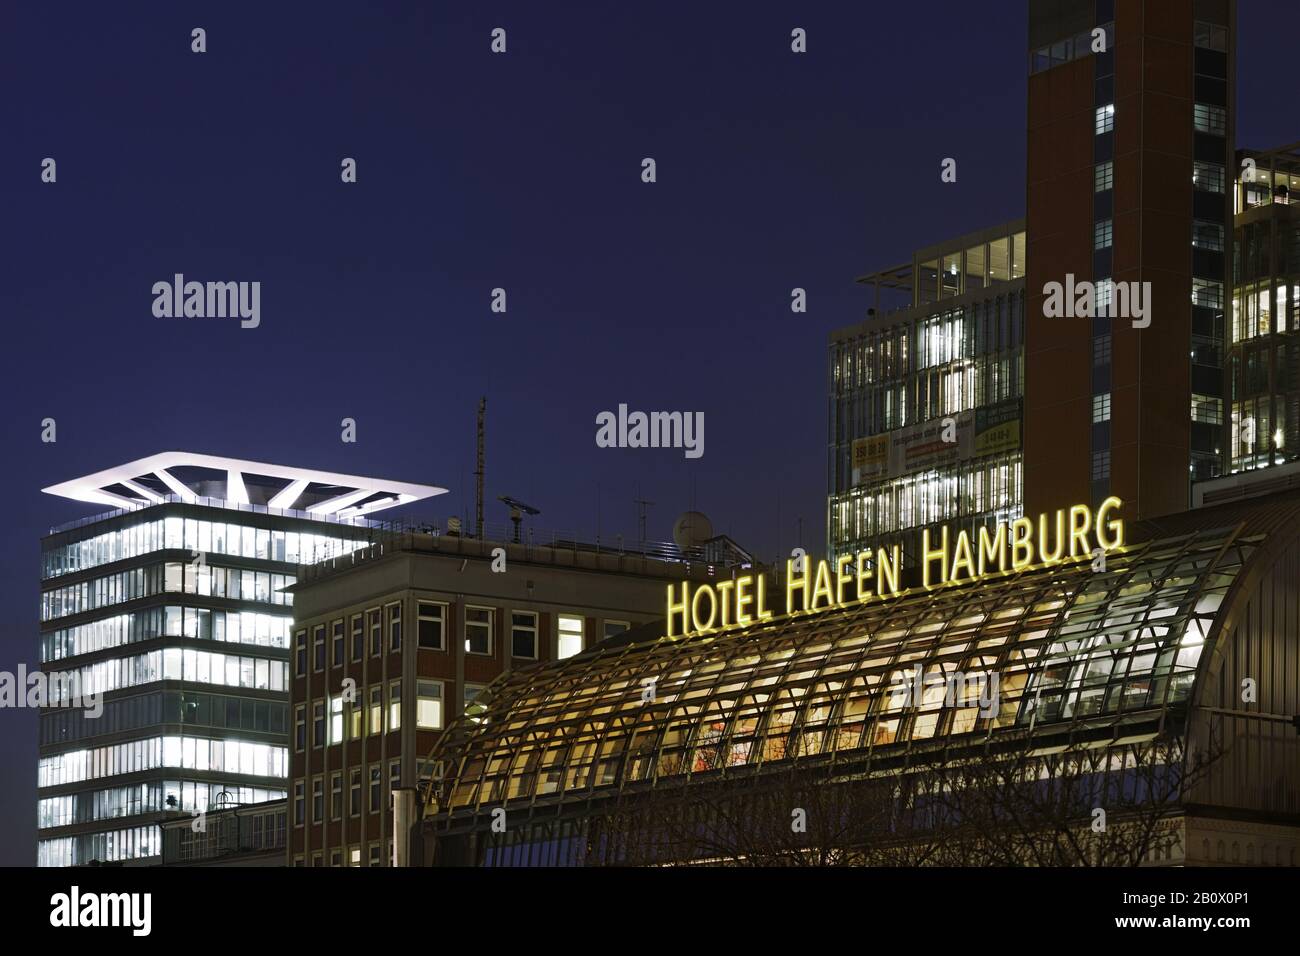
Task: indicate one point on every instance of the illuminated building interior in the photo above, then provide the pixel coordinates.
(953, 354)
(174, 609)
(1264, 354)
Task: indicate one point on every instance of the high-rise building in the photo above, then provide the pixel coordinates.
(925, 399)
(1096, 367)
(1263, 353)
(165, 628)
(1130, 144)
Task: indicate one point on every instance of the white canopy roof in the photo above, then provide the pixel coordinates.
(330, 493)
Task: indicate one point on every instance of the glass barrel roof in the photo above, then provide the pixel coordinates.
(1063, 648)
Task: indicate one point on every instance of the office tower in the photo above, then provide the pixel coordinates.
(925, 399)
(1130, 144)
(174, 608)
(1263, 358)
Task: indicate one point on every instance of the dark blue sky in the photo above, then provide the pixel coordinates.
(522, 171)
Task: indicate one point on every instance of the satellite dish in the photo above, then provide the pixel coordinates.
(692, 529)
(517, 511)
(516, 505)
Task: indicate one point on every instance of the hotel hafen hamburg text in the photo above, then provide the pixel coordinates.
(1066, 535)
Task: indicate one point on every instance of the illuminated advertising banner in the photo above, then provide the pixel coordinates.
(1069, 534)
(937, 443)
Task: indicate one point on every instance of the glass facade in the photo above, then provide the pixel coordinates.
(925, 404)
(1264, 347)
(192, 579)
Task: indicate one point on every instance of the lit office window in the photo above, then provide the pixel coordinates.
(1105, 119)
(1207, 293)
(395, 705)
(1207, 177)
(1105, 296)
(1102, 234)
(1207, 235)
(356, 713)
(569, 629)
(428, 704)
(336, 720)
(1101, 408)
(523, 634)
(478, 630)
(1103, 176)
(429, 625)
(1207, 409)
(1209, 119)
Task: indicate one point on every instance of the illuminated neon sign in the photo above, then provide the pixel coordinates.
(1066, 535)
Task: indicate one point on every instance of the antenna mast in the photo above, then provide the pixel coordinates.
(478, 473)
(642, 505)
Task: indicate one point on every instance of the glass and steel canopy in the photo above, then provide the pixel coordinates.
(1068, 650)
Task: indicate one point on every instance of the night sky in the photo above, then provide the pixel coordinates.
(477, 171)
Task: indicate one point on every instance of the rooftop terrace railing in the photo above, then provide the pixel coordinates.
(355, 522)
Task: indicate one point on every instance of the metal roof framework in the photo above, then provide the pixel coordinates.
(1078, 654)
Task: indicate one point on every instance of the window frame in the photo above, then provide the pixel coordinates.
(560, 634)
(394, 705)
(1104, 119)
(358, 638)
(534, 629)
(421, 618)
(393, 620)
(491, 629)
(338, 653)
(441, 699)
(375, 630)
(355, 795)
